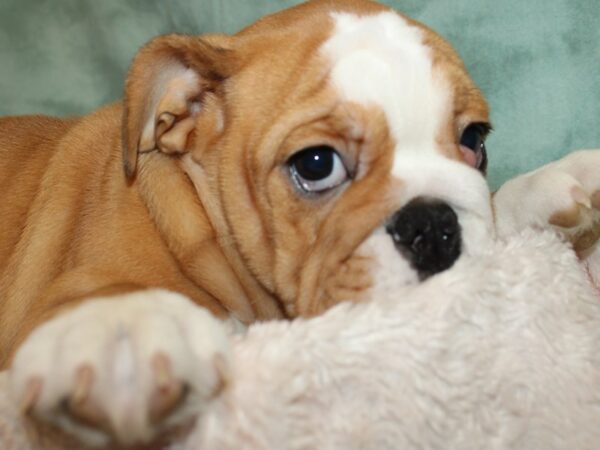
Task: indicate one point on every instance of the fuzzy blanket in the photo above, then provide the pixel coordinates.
(500, 352)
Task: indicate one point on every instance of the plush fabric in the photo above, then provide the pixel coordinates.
(537, 60)
(500, 352)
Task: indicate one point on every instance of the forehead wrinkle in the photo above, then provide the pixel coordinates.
(382, 60)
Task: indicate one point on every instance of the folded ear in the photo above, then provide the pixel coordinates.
(164, 91)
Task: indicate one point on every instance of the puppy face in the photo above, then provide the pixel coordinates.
(341, 154)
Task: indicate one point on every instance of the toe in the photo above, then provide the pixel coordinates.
(81, 405)
(168, 393)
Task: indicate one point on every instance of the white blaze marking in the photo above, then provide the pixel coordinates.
(381, 60)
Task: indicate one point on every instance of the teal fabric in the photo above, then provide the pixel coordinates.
(538, 61)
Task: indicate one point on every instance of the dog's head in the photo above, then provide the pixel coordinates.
(338, 145)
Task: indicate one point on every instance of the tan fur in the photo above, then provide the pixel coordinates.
(209, 213)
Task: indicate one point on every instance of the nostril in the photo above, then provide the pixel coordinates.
(427, 233)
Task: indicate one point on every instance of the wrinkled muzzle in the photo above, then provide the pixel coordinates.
(444, 212)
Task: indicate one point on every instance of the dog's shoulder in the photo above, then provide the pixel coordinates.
(30, 130)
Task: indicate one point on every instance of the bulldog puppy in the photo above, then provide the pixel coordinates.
(307, 160)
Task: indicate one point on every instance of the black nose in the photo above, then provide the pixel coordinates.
(427, 233)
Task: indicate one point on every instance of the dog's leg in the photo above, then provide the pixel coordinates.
(564, 196)
(118, 370)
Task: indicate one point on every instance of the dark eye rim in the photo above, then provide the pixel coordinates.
(483, 129)
(294, 174)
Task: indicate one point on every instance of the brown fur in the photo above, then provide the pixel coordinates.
(210, 214)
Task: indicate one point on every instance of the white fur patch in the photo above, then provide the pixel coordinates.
(118, 338)
(462, 188)
(381, 60)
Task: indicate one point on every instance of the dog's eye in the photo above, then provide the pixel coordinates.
(472, 144)
(317, 169)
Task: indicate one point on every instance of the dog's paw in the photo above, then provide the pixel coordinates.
(563, 195)
(120, 370)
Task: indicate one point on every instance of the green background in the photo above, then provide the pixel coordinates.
(538, 61)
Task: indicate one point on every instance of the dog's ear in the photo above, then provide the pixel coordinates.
(164, 92)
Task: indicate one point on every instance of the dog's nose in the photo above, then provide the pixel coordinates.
(427, 233)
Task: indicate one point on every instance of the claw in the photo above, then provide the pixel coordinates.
(223, 374)
(169, 391)
(590, 237)
(581, 197)
(32, 394)
(567, 218)
(81, 407)
(596, 199)
(162, 371)
(83, 384)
